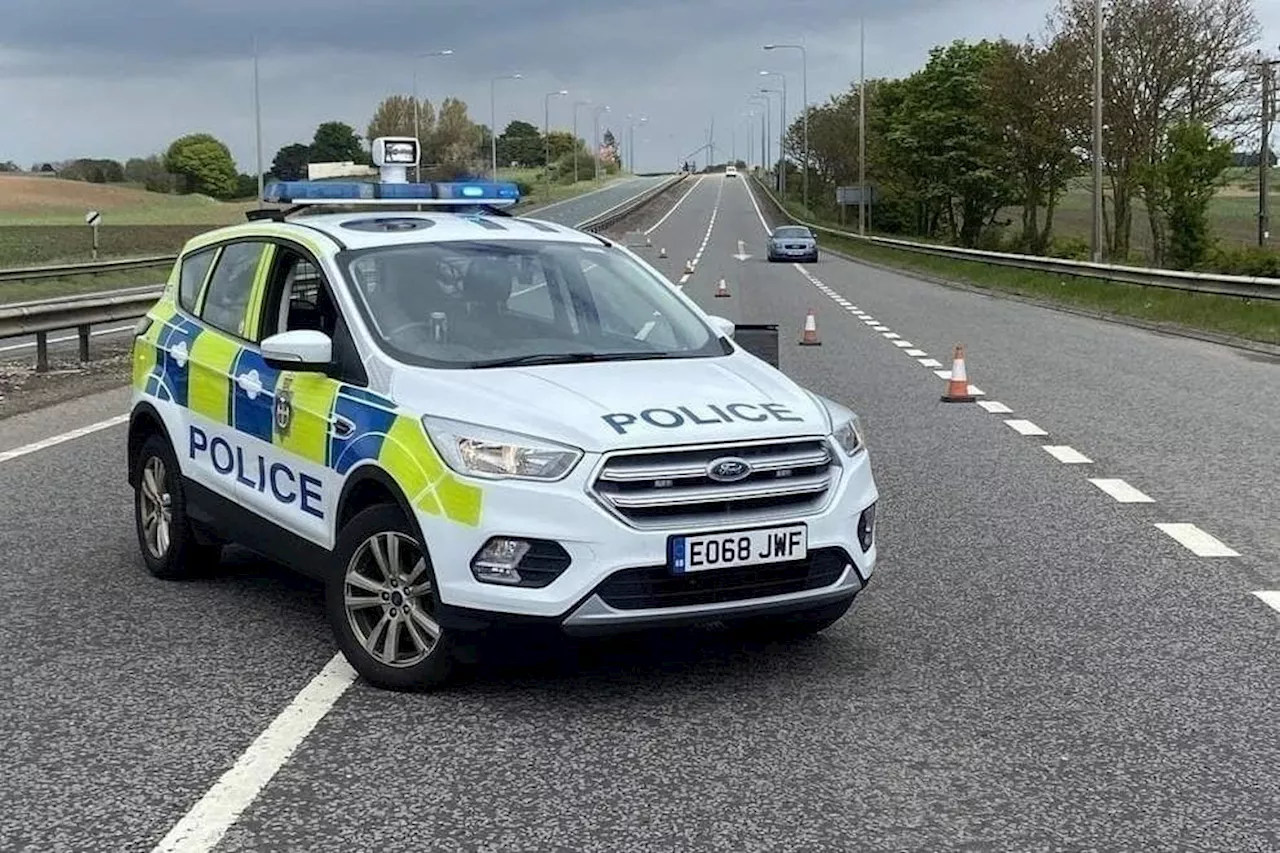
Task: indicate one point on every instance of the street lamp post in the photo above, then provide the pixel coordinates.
(763, 99)
(782, 135)
(493, 120)
(595, 142)
(804, 85)
(631, 140)
(546, 132)
(417, 119)
(576, 105)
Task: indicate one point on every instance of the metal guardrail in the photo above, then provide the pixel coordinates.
(62, 270)
(38, 318)
(1223, 285)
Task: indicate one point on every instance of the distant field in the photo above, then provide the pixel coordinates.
(1233, 213)
(42, 219)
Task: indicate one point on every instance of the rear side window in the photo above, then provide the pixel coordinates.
(230, 287)
(194, 269)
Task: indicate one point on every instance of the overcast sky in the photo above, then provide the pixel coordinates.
(124, 78)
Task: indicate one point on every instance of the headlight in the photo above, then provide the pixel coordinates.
(480, 451)
(849, 436)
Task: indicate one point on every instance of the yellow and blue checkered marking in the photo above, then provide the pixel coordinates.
(179, 360)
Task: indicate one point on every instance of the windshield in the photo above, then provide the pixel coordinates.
(791, 233)
(477, 304)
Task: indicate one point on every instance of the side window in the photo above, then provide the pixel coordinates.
(195, 267)
(297, 297)
(231, 286)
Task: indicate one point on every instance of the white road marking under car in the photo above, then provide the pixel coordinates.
(1066, 454)
(1121, 491)
(6, 455)
(201, 828)
(1198, 542)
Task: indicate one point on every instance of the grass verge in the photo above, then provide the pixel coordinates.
(1250, 319)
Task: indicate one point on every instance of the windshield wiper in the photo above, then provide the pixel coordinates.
(569, 358)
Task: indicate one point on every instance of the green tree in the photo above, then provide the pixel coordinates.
(290, 163)
(941, 134)
(562, 144)
(1188, 174)
(394, 117)
(521, 143)
(1033, 99)
(150, 172)
(457, 141)
(9, 166)
(336, 142)
(203, 165)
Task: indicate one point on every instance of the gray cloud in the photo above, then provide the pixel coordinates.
(87, 77)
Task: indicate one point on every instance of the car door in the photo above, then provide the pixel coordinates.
(212, 453)
(293, 421)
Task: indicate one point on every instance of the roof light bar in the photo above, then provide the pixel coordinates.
(440, 194)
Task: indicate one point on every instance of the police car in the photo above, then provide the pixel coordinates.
(458, 420)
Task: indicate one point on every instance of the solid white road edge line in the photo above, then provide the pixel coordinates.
(201, 828)
(6, 455)
(1270, 597)
(1066, 454)
(1122, 491)
(1198, 542)
(679, 202)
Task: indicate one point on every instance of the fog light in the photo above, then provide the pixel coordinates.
(497, 561)
(867, 528)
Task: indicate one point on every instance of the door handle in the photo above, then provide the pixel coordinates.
(342, 427)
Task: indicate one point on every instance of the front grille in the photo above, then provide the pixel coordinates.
(797, 246)
(671, 488)
(655, 586)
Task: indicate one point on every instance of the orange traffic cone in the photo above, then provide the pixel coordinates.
(662, 253)
(958, 384)
(810, 336)
(722, 289)
(688, 267)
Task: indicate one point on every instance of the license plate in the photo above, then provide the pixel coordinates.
(743, 548)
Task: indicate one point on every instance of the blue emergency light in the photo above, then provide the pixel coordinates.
(369, 192)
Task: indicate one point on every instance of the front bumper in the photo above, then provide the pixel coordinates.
(617, 574)
(780, 252)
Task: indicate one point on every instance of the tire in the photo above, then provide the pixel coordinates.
(170, 548)
(791, 626)
(403, 655)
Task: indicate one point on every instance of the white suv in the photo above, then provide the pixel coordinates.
(457, 419)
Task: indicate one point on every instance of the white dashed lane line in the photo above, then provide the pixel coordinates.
(1066, 454)
(711, 224)
(1024, 427)
(1188, 535)
(1122, 491)
(1270, 597)
(1197, 541)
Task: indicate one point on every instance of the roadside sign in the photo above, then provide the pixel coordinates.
(92, 218)
(853, 195)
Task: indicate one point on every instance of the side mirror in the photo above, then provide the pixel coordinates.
(723, 326)
(303, 349)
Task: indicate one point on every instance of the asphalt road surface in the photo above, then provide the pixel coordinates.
(1035, 666)
(568, 212)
